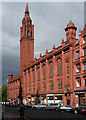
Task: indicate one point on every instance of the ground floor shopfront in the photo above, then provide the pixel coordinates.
(75, 98)
(49, 98)
(80, 97)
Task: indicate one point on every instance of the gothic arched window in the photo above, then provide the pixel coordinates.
(51, 69)
(44, 72)
(59, 67)
(31, 33)
(28, 33)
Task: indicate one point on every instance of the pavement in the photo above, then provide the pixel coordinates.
(11, 116)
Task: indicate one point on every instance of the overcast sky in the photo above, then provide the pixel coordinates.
(49, 21)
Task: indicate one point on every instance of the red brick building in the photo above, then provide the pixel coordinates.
(57, 76)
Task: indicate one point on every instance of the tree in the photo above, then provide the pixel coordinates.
(4, 93)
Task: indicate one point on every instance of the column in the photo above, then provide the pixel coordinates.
(23, 90)
(31, 80)
(47, 76)
(35, 80)
(41, 78)
(71, 76)
(46, 99)
(27, 83)
(54, 98)
(63, 76)
(54, 74)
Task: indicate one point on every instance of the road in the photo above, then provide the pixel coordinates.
(31, 114)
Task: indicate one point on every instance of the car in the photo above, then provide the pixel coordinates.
(29, 105)
(78, 109)
(83, 110)
(38, 106)
(66, 108)
(52, 106)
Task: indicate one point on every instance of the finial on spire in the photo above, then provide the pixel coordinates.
(26, 10)
(40, 55)
(46, 51)
(53, 46)
(35, 57)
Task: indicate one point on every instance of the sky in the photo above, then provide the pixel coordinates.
(49, 19)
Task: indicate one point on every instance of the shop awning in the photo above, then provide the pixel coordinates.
(58, 94)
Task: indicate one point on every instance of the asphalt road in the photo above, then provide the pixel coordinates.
(39, 114)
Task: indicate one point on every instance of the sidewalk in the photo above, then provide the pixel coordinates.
(11, 116)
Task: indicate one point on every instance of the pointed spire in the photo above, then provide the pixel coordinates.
(35, 57)
(62, 40)
(40, 55)
(26, 10)
(53, 46)
(46, 51)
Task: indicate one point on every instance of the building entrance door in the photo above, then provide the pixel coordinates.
(68, 102)
(81, 100)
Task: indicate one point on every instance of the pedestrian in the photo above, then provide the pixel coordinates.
(21, 111)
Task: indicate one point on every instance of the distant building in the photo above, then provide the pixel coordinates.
(57, 76)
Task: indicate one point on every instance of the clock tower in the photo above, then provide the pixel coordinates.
(26, 41)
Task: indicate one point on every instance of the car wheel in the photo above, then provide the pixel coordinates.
(75, 111)
(62, 110)
(43, 109)
(34, 108)
(56, 109)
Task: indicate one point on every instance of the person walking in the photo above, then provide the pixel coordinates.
(21, 111)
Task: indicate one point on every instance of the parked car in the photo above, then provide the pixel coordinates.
(29, 106)
(66, 108)
(78, 109)
(52, 106)
(38, 106)
(83, 110)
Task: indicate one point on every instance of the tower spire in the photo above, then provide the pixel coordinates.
(26, 10)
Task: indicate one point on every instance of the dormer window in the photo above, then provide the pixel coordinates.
(28, 33)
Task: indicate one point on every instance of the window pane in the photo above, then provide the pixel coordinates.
(84, 82)
(78, 68)
(78, 83)
(44, 73)
(38, 75)
(67, 69)
(61, 84)
(84, 51)
(51, 70)
(33, 77)
(77, 53)
(84, 39)
(84, 66)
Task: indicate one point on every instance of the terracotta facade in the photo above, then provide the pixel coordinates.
(57, 76)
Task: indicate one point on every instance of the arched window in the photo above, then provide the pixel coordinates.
(28, 33)
(78, 82)
(84, 65)
(31, 33)
(59, 67)
(44, 72)
(51, 69)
